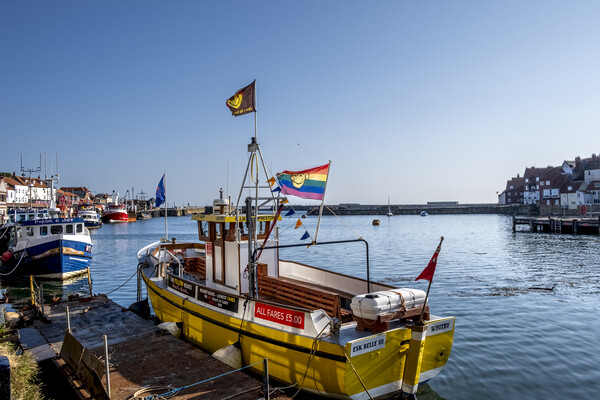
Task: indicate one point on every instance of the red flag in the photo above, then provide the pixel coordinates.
(429, 270)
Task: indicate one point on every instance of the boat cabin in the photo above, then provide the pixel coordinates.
(50, 227)
(225, 239)
(19, 215)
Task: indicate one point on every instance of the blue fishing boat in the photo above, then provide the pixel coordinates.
(53, 248)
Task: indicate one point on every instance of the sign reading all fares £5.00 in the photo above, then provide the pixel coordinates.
(281, 315)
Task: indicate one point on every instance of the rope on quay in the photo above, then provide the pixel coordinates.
(173, 392)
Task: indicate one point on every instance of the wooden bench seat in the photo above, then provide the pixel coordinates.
(195, 266)
(303, 294)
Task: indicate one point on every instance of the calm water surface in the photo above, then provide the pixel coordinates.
(527, 306)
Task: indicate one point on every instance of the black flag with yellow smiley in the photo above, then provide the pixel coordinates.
(242, 102)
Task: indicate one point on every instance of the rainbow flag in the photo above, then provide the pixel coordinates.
(307, 184)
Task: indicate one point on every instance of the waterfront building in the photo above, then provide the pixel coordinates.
(550, 185)
(513, 194)
(531, 192)
(3, 195)
(572, 185)
(83, 193)
(569, 193)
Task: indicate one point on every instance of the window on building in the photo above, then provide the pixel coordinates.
(569, 188)
(547, 183)
(537, 178)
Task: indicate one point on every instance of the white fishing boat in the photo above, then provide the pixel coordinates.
(389, 213)
(90, 218)
(324, 332)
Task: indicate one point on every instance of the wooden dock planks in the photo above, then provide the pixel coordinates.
(141, 355)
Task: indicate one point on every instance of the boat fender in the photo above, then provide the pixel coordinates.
(170, 327)
(230, 355)
(7, 255)
(140, 308)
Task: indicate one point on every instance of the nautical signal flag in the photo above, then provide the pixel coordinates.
(429, 270)
(243, 101)
(160, 192)
(305, 236)
(307, 184)
(298, 224)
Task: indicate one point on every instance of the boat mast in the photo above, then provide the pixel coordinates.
(165, 185)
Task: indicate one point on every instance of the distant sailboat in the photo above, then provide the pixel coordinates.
(389, 213)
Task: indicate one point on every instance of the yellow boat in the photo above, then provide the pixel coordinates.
(326, 333)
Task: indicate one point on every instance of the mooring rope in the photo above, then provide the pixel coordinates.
(124, 283)
(177, 390)
(311, 356)
(16, 266)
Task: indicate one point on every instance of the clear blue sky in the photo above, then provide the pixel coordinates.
(421, 101)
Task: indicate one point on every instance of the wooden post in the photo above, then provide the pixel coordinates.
(266, 387)
(514, 221)
(32, 291)
(575, 226)
(107, 366)
(42, 299)
(68, 319)
(531, 225)
(89, 281)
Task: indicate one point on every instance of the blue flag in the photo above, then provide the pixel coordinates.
(305, 236)
(291, 212)
(160, 192)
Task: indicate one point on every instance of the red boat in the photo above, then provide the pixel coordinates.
(115, 213)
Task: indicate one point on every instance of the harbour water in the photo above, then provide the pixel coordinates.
(527, 305)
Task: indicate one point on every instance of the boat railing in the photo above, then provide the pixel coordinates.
(173, 256)
(284, 246)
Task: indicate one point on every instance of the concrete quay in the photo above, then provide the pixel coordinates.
(434, 208)
(140, 356)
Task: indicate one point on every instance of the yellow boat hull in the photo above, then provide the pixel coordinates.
(373, 362)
